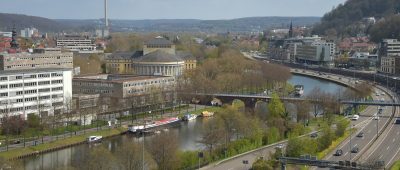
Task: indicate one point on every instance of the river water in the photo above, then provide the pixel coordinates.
(189, 133)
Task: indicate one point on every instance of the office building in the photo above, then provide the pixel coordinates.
(40, 58)
(38, 91)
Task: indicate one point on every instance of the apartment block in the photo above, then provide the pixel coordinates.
(39, 59)
(37, 91)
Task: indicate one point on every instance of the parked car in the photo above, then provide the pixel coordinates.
(338, 152)
(355, 117)
(354, 150)
(314, 135)
(360, 135)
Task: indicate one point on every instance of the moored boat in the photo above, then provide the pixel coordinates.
(189, 117)
(153, 124)
(298, 90)
(207, 114)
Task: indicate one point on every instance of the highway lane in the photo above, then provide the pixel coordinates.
(386, 148)
(367, 125)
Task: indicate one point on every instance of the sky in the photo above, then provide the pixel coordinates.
(167, 9)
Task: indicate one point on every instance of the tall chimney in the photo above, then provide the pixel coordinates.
(105, 13)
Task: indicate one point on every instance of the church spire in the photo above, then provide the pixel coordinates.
(14, 43)
(291, 29)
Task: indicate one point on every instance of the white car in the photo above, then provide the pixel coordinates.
(376, 117)
(280, 146)
(355, 117)
(382, 100)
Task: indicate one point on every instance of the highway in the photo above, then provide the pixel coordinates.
(367, 125)
(387, 147)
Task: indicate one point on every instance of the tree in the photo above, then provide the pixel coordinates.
(129, 157)
(213, 134)
(101, 159)
(164, 150)
(275, 107)
(341, 127)
(303, 110)
(261, 164)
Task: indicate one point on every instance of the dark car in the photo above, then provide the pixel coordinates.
(397, 121)
(314, 135)
(360, 135)
(354, 150)
(338, 152)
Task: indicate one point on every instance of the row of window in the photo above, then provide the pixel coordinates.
(35, 65)
(149, 82)
(31, 76)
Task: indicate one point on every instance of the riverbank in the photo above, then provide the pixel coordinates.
(19, 153)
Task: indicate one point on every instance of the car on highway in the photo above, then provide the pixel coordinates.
(397, 121)
(338, 152)
(314, 135)
(280, 146)
(355, 117)
(382, 100)
(360, 135)
(376, 117)
(354, 149)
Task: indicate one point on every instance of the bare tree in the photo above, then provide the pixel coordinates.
(164, 150)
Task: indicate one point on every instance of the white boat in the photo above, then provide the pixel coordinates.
(189, 117)
(298, 90)
(93, 139)
(153, 124)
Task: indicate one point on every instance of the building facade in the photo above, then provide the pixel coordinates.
(158, 58)
(40, 58)
(76, 43)
(39, 91)
(121, 86)
(389, 54)
(313, 54)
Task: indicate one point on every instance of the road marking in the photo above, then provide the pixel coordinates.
(380, 157)
(394, 139)
(345, 154)
(388, 148)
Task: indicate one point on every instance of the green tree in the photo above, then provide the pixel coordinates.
(341, 127)
(275, 106)
(261, 164)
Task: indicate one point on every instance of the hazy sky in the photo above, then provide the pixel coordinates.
(167, 9)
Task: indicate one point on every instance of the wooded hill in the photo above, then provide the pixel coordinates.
(347, 19)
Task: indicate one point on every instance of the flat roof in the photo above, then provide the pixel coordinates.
(117, 78)
(29, 71)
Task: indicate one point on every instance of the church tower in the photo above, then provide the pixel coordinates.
(291, 30)
(14, 43)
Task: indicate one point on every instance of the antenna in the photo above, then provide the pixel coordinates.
(105, 14)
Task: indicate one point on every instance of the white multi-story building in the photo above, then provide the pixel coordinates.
(76, 43)
(331, 45)
(44, 91)
(29, 32)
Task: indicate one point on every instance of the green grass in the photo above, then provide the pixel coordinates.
(396, 165)
(59, 143)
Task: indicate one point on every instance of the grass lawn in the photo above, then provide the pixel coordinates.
(396, 165)
(59, 143)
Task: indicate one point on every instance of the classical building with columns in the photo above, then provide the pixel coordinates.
(158, 58)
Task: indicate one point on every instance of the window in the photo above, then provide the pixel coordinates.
(44, 90)
(30, 84)
(3, 94)
(44, 75)
(3, 86)
(43, 83)
(3, 78)
(15, 85)
(57, 89)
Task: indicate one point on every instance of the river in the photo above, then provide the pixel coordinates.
(189, 133)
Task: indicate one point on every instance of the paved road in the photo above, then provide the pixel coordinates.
(366, 124)
(387, 147)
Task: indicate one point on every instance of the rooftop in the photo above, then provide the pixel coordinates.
(116, 78)
(160, 56)
(30, 71)
(159, 41)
